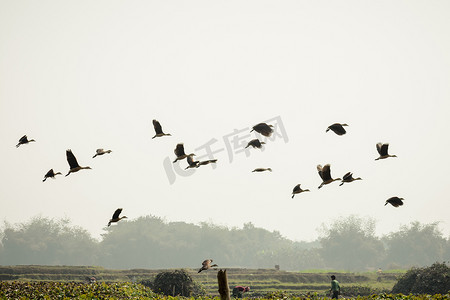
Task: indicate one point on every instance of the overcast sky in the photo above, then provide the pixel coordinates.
(83, 75)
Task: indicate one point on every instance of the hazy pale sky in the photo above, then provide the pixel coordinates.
(83, 75)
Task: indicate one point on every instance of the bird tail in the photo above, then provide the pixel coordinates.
(341, 183)
(293, 196)
(44, 179)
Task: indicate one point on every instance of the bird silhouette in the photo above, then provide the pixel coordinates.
(101, 152)
(115, 217)
(297, 190)
(74, 166)
(179, 152)
(349, 178)
(263, 129)
(158, 130)
(255, 144)
(394, 201)
(383, 151)
(262, 170)
(192, 163)
(50, 174)
(206, 265)
(325, 174)
(337, 128)
(24, 140)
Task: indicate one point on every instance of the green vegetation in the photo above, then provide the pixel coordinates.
(71, 290)
(264, 283)
(261, 281)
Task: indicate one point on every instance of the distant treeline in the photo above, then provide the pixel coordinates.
(150, 242)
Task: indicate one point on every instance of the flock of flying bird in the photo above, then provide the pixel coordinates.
(325, 171)
(262, 128)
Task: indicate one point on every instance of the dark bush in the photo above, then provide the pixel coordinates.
(428, 280)
(176, 283)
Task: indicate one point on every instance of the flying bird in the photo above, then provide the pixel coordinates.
(262, 170)
(297, 190)
(337, 128)
(349, 178)
(394, 201)
(206, 162)
(325, 174)
(383, 151)
(158, 129)
(255, 144)
(24, 140)
(115, 217)
(74, 166)
(263, 129)
(50, 174)
(179, 152)
(192, 163)
(206, 264)
(101, 152)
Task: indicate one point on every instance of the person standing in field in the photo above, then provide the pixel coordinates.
(335, 287)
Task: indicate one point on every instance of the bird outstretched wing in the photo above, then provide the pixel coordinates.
(50, 173)
(347, 176)
(319, 170)
(326, 172)
(263, 128)
(379, 146)
(384, 149)
(179, 150)
(23, 139)
(157, 127)
(117, 213)
(71, 159)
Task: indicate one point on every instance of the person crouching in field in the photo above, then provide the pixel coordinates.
(335, 288)
(238, 291)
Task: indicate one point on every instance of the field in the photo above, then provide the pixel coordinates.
(261, 281)
(126, 290)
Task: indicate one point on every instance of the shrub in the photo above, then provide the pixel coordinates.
(176, 283)
(428, 280)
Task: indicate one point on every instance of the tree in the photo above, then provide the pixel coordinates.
(47, 241)
(351, 244)
(416, 244)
